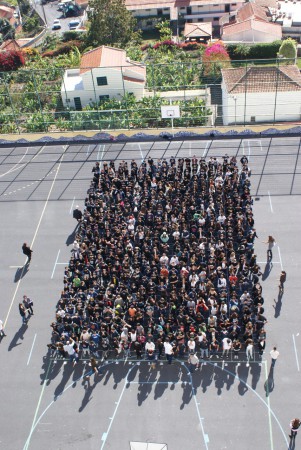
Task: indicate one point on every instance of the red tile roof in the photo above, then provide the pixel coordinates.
(262, 79)
(255, 25)
(198, 29)
(110, 57)
(251, 11)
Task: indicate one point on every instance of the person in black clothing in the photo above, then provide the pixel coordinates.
(27, 251)
(77, 214)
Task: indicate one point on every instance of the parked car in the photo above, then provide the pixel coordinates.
(56, 24)
(73, 24)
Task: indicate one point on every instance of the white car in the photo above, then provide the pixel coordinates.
(56, 24)
(74, 24)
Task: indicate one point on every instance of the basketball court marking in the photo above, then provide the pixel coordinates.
(36, 420)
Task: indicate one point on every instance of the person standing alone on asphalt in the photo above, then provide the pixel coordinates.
(27, 251)
(295, 424)
(282, 280)
(2, 333)
(274, 355)
(22, 311)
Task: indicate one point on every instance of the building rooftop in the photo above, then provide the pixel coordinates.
(262, 79)
(203, 29)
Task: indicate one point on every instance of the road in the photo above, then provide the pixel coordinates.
(51, 12)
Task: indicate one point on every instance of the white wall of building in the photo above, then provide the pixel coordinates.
(260, 107)
(90, 91)
(250, 36)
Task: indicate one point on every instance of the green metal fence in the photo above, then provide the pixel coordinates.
(57, 99)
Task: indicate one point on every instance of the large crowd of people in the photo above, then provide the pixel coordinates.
(163, 264)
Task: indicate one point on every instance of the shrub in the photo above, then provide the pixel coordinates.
(215, 57)
(167, 43)
(192, 45)
(256, 51)
(62, 49)
(11, 60)
(288, 49)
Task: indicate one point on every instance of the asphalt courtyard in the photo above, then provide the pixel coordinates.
(224, 405)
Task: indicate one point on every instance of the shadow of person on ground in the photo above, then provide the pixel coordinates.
(18, 336)
(71, 237)
(68, 369)
(21, 272)
(269, 383)
(278, 305)
(267, 269)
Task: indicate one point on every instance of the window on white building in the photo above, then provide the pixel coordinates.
(102, 81)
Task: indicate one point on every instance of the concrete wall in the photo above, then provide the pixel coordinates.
(250, 36)
(261, 106)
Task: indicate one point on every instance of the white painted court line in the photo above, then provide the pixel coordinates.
(36, 232)
(206, 149)
(280, 259)
(102, 152)
(15, 267)
(39, 153)
(141, 153)
(105, 435)
(58, 254)
(37, 409)
(12, 170)
(269, 409)
(265, 262)
(270, 200)
(71, 208)
(34, 339)
(296, 353)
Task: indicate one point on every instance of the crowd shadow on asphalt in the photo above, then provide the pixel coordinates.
(278, 305)
(21, 272)
(19, 336)
(155, 380)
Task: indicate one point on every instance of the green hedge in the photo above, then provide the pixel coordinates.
(253, 51)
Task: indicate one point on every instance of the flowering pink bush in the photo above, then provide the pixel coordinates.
(214, 58)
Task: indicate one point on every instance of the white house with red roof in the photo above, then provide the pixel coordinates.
(105, 72)
(251, 23)
(257, 94)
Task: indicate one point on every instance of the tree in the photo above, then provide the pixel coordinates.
(164, 30)
(288, 50)
(111, 23)
(215, 58)
(11, 60)
(6, 29)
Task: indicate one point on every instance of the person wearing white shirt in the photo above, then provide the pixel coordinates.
(164, 260)
(69, 348)
(227, 345)
(174, 261)
(274, 355)
(168, 350)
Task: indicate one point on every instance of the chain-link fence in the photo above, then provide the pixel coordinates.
(240, 92)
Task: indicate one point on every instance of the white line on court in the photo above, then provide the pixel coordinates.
(34, 339)
(271, 206)
(15, 267)
(62, 263)
(15, 166)
(269, 408)
(141, 153)
(39, 153)
(205, 436)
(265, 262)
(88, 150)
(36, 232)
(105, 435)
(280, 259)
(206, 149)
(72, 205)
(35, 423)
(296, 353)
(12, 170)
(37, 409)
(58, 254)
